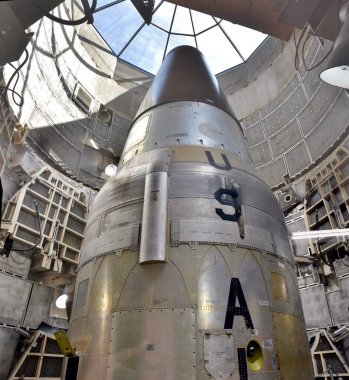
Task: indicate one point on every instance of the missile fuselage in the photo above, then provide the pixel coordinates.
(186, 270)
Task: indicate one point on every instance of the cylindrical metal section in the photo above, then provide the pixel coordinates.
(153, 237)
(219, 274)
(185, 123)
(184, 76)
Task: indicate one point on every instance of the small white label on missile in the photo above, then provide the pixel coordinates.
(263, 303)
(282, 265)
(268, 344)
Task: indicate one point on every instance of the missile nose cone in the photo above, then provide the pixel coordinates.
(184, 76)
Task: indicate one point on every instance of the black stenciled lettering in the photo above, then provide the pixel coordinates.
(242, 364)
(236, 292)
(227, 166)
(234, 201)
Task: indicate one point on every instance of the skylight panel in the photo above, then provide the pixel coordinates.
(163, 16)
(118, 24)
(246, 40)
(217, 49)
(146, 50)
(176, 40)
(224, 44)
(182, 22)
(202, 21)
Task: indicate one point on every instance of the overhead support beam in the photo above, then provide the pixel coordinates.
(15, 18)
(145, 9)
(273, 17)
(261, 15)
(321, 15)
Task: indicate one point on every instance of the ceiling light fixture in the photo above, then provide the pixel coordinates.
(111, 169)
(320, 234)
(337, 71)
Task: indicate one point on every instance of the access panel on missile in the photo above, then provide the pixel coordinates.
(186, 270)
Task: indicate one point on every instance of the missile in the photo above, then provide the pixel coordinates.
(186, 270)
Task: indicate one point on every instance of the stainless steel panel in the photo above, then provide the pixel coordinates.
(254, 192)
(283, 246)
(153, 344)
(198, 162)
(254, 282)
(315, 307)
(253, 275)
(116, 193)
(202, 231)
(77, 334)
(92, 367)
(92, 228)
(188, 261)
(282, 280)
(213, 290)
(293, 291)
(117, 218)
(154, 221)
(338, 302)
(138, 132)
(205, 209)
(102, 288)
(219, 355)
(209, 126)
(159, 285)
(82, 293)
(117, 240)
(153, 332)
(81, 301)
(292, 347)
(196, 230)
(194, 185)
(122, 268)
(14, 294)
(8, 344)
(97, 332)
(139, 164)
(39, 306)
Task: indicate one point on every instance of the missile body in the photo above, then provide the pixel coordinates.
(186, 269)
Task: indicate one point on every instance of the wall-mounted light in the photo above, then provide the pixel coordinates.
(320, 234)
(104, 115)
(111, 169)
(61, 301)
(337, 71)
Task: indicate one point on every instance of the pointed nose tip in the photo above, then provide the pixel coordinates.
(184, 76)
